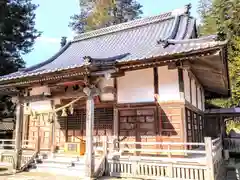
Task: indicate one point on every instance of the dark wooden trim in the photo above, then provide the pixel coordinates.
(193, 108)
(180, 80)
(155, 81)
(196, 94)
(116, 89)
(181, 83)
(190, 84)
(136, 105)
(156, 91)
(201, 96)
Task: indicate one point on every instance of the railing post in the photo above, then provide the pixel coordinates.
(209, 158)
(105, 145)
(170, 170)
(169, 152)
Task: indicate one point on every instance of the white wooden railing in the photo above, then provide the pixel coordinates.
(8, 152)
(7, 144)
(202, 163)
(232, 145)
(100, 149)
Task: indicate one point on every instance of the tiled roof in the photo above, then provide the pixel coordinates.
(158, 36)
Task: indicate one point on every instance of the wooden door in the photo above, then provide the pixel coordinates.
(40, 132)
(44, 139)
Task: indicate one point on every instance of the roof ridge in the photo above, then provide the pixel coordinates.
(49, 60)
(134, 23)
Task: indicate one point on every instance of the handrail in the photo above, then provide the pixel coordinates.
(24, 165)
(215, 140)
(7, 143)
(163, 143)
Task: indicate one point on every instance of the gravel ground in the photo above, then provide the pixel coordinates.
(36, 176)
(43, 176)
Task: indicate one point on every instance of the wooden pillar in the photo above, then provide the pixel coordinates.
(181, 84)
(25, 128)
(18, 130)
(53, 131)
(209, 158)
(89, 161)
(115, 127)
(115, 117)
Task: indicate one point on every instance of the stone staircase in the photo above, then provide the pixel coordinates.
(59, 164)
(233, 169)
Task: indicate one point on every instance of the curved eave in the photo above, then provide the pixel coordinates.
(67, 72)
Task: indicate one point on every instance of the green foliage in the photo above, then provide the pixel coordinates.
(63, 41)
(17, 36)
(222, 17)
(97, 14)
(232, 125)
(223, 103)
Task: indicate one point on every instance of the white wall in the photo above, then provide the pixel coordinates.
(41, 106)
(168, 84)
(39, 90)
(106, 83)
(195, 96)
(136, 86)
(186, 80)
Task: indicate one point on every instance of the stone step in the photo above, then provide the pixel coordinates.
(63, 160)
(60, 166)
(60, 171)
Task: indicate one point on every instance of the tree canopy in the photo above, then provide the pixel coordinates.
(97, 14)
(17, 36)
(222, 17)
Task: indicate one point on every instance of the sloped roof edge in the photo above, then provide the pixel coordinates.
(134, 23)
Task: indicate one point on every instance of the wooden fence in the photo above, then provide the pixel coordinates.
(232, 145)
(202, 163)
(9, 155)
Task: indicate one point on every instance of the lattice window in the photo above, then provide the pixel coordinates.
(75, 124)
(46, 137)
(34, 135)
(189, 125)
(137, 122)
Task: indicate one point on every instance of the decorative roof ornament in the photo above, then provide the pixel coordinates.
(181, 11)
(188, 7)
(87, 60)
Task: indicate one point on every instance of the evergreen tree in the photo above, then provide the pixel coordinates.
(96, 14)
(63, 41)
(17, 36)
(224, 17)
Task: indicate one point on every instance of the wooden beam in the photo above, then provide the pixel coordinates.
(200, 67)
(156, 92)
(181, 83)
(52, 97)
(89, 164)
(190, 84)
(172, 65)
(18, 130)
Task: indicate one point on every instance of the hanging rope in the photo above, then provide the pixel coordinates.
(34, 113)
(67, 105)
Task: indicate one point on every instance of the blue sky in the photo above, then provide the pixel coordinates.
(53, 16)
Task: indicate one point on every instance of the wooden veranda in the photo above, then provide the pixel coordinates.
(216, 120)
